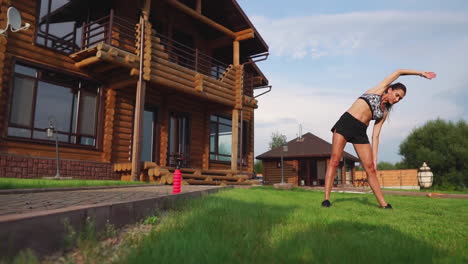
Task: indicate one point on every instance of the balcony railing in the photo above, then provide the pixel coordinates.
(112, 30)
(66, 44)
(121, 32)
(192, 58)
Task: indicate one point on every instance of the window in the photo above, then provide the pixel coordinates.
(150, 143)
(221, 139)
(40, 95)
(179, 139)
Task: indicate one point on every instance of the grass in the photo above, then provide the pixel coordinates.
(14, 183)
(263, 225)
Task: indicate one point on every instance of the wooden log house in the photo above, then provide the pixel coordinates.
(129, 82)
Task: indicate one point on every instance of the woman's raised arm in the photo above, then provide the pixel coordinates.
(382, 86)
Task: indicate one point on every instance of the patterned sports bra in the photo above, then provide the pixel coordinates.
(374, 101)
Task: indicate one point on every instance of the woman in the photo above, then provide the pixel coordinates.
(351, 127)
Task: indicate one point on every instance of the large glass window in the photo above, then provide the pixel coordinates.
(150, 145)
(40, 96)
(221, 139)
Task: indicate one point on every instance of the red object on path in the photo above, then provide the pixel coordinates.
(176, 181)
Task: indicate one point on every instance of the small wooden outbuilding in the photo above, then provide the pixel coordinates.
(305, 163)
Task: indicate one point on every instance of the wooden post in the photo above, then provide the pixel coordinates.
(140, 100)
(109, 31)
(235, 53)
(137, 135)
(235, 114)
(199, 6)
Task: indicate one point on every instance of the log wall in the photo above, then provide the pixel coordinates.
(22, 45)
(123, 125)
(167, 73)
(3, 45)
(272, 174)
(184, 91)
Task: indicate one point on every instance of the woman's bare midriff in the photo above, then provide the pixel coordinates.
(361, 111)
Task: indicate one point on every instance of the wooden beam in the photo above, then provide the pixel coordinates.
(245, 31)
(88, 61)
(189, 11)
(245, 36)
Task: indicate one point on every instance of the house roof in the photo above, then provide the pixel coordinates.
(230, 14)
(310, 146)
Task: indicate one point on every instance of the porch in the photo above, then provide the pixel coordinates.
(151, 172)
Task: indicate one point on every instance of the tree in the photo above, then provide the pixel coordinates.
(277, 140)
(258, 166)
(444, 146)
(384, 165)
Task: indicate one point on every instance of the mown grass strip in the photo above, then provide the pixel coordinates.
(269, 226)
(14, 183)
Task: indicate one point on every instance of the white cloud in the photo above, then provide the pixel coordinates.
(340, 34)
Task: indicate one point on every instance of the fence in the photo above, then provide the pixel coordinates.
(400, 179)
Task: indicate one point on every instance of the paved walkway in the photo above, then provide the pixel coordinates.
(35, 218)
(42, 201)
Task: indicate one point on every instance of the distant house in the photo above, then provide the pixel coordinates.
(305, 163)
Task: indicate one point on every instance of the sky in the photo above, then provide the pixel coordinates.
(325, 53)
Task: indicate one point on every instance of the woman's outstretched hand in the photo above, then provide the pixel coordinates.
(428, 75)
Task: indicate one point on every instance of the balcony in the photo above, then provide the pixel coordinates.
(111, 42)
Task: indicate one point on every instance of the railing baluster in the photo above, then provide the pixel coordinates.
(196, 60)
(74, 38)
(111, 20)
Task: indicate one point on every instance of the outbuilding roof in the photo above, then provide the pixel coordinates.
(307, 146)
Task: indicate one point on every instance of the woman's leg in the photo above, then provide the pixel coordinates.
(364, 152)
(338, 144)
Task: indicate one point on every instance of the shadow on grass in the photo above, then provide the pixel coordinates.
(227, 230)
(224, 230)
(361, 200)
(350, 242)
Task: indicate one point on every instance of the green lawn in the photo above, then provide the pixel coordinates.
(263, 225)
(13, 183)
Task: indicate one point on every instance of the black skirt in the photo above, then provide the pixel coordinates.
(353, 130)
